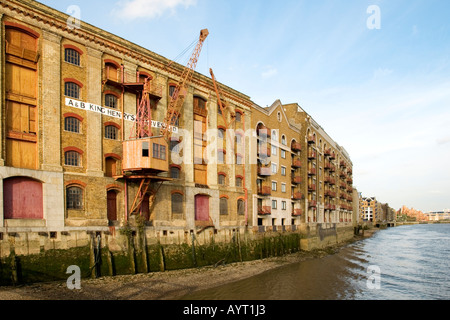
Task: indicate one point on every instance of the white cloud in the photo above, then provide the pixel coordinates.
(134, 9)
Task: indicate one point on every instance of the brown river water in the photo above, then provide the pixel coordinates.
(402, 263)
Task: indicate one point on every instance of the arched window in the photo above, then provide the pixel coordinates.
(74, 198)
(177, 203)
(238, 116)
(175, 172)
(72, 124)
(72, 158)
(111, 101)
(72, 56)
(240, 207)
(111, 132)
(239, 181)
(221, 179)
(283, 140)
(72, 90)
(223, 206)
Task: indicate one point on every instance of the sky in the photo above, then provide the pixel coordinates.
(374, 74)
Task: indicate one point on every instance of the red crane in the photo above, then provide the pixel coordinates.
(179, 94)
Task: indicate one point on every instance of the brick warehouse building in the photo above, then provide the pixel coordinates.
(69, 99)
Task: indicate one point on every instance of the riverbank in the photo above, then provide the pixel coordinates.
(169, 285)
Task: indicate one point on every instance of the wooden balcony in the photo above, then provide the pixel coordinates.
(332, 168)
(263, 131)
(327, 152)
(312, 171)
(264, 191)
(311, 187)
(312, 154)
(264, 210)
(311, 139)
(296, 179)
(264, 171)
(297, 196)
(312, 204)
(296, 163)
(297, 212)
(296, 146)
(264, 150)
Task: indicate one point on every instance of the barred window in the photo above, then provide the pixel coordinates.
(72, 90)
(74, 198)
(111, 132)
(72, 158)
(223, 206)
(240, 207)
(177, 203)
(221, 179)
(72, 124)
(111, 101)
(175, 173)
(72, 56)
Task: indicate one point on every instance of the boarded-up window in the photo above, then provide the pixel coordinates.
(74, 198)
(241, 207)
(201, 207)
(110, 167)
(21, 98)
(22, 198)
(177, 203)
(111, 205)
(223, 206)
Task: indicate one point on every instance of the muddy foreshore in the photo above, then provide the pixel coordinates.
(169, 285)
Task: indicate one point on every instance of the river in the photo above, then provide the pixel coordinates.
(403, 263)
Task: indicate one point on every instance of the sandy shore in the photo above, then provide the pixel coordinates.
(169, 285)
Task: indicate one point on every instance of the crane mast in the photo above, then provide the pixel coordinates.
(179, 94)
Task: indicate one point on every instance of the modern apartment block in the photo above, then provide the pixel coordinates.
(69, 101)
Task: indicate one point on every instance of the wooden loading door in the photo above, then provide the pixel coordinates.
(21, 99)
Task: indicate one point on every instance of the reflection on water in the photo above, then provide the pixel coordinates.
(413, 260)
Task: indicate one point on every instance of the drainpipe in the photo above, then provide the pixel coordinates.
(245, 186)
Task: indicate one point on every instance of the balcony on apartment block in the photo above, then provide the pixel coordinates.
(311, 187)
(263, 131)
(311, 139)
(264, 171)
(297, 196)
(296, 163)
(264, 210)
(311, 171)
(296, 179)
(264, 150)
(312, 204)
(264, 191)
(296, 146)
(297, 212)
(312, 154)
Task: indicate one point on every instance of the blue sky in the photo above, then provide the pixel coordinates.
(383, 94)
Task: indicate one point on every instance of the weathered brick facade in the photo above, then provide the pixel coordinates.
(314, 186)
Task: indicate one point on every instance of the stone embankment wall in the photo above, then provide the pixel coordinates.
(29, 257)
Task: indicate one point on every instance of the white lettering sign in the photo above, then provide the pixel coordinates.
(110, 112)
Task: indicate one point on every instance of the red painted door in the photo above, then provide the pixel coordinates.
(111, 205)
(201, 207)
(22, 198)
